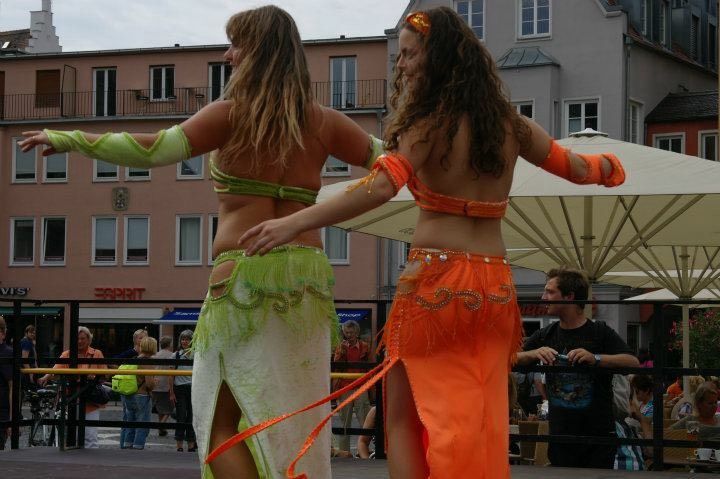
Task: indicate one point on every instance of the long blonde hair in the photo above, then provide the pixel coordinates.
(269, 89)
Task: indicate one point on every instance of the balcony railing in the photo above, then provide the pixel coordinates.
(346, 95)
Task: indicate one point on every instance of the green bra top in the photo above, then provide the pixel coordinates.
(244, 186)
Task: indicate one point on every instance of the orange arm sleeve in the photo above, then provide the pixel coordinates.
(558, 163)
(397, 168)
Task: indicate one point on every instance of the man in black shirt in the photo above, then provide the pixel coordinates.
(580, 402)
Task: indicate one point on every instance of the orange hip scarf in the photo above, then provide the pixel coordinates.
(455, 325)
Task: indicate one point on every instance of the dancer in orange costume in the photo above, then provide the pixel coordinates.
(454, 327)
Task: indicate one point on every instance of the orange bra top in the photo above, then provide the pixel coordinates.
(428, 200)
(400, 172)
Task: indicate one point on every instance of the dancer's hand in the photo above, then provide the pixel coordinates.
(268, 234)
(35, 138)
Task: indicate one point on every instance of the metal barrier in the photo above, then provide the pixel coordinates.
(71, 424)
(659, 372)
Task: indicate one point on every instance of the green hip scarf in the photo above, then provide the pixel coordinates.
(294, 282)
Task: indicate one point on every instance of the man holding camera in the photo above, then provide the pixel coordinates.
(580, 402)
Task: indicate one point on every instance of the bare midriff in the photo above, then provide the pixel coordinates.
(237, 214)
(474, 235)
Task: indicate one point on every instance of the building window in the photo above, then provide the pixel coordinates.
(188, 234)
(137, 174)
(525, 108)
(53, 242)
(708, 145)
(336, 245)
(342, 82)
(47, 88)
(473, 12)
(137, 240)
(403, 252)
(162, 83)
(534, 18)
(55, 168)
(104, 171)
(104, 241)
(213, 225)
(581, 115)
(190, 169)
(712, 46)
(662, 23)
(674, 142)
(335, 167)
(634, 128)
(644, 13)
(695, 37)
(104, 91)
(22, 241)
(219, 75)
(23, 164)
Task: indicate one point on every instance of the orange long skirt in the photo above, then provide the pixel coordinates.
(456, 327)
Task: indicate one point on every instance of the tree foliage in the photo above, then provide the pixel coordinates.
(704, 338)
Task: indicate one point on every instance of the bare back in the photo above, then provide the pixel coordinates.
(457, 178)
(325, 130)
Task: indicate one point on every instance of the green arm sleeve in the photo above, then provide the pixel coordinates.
(376, 148)
(122, 149)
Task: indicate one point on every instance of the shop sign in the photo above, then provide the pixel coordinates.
(120, 294)
(13, 291)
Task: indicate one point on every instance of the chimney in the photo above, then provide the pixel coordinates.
(42, 32)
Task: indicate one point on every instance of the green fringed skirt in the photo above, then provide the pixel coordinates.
(266, 331)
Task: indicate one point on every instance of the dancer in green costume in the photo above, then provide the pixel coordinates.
(263, 339)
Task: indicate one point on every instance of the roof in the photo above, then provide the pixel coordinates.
(188, 48)
(685, 106)
(16, 39)
(525, 57)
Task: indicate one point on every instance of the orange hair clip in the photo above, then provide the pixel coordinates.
(420, 21)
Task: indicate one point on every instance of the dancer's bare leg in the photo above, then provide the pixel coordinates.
(236, 462)
(406, 457)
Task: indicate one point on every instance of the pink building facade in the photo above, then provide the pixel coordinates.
(73, 228)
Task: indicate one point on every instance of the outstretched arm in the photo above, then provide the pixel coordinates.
(205, 131)
(604, 169)
(414, 147)
(350, 143)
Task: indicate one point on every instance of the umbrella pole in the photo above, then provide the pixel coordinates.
(588, 250)
(686, 348)
(685, 321)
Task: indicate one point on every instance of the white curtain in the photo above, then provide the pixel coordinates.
(336, 243)
(56, 166)
(189, 239)
(105, 239)
(137, 239)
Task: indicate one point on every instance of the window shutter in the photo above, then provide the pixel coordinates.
(47, 89)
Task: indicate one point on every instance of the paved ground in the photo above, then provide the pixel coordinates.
(49, 463)
(109, 438)
(160, 461)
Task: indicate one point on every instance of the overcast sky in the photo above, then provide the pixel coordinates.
(113, 24)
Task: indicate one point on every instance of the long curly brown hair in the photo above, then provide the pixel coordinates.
(270, 89)
(459, 78)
